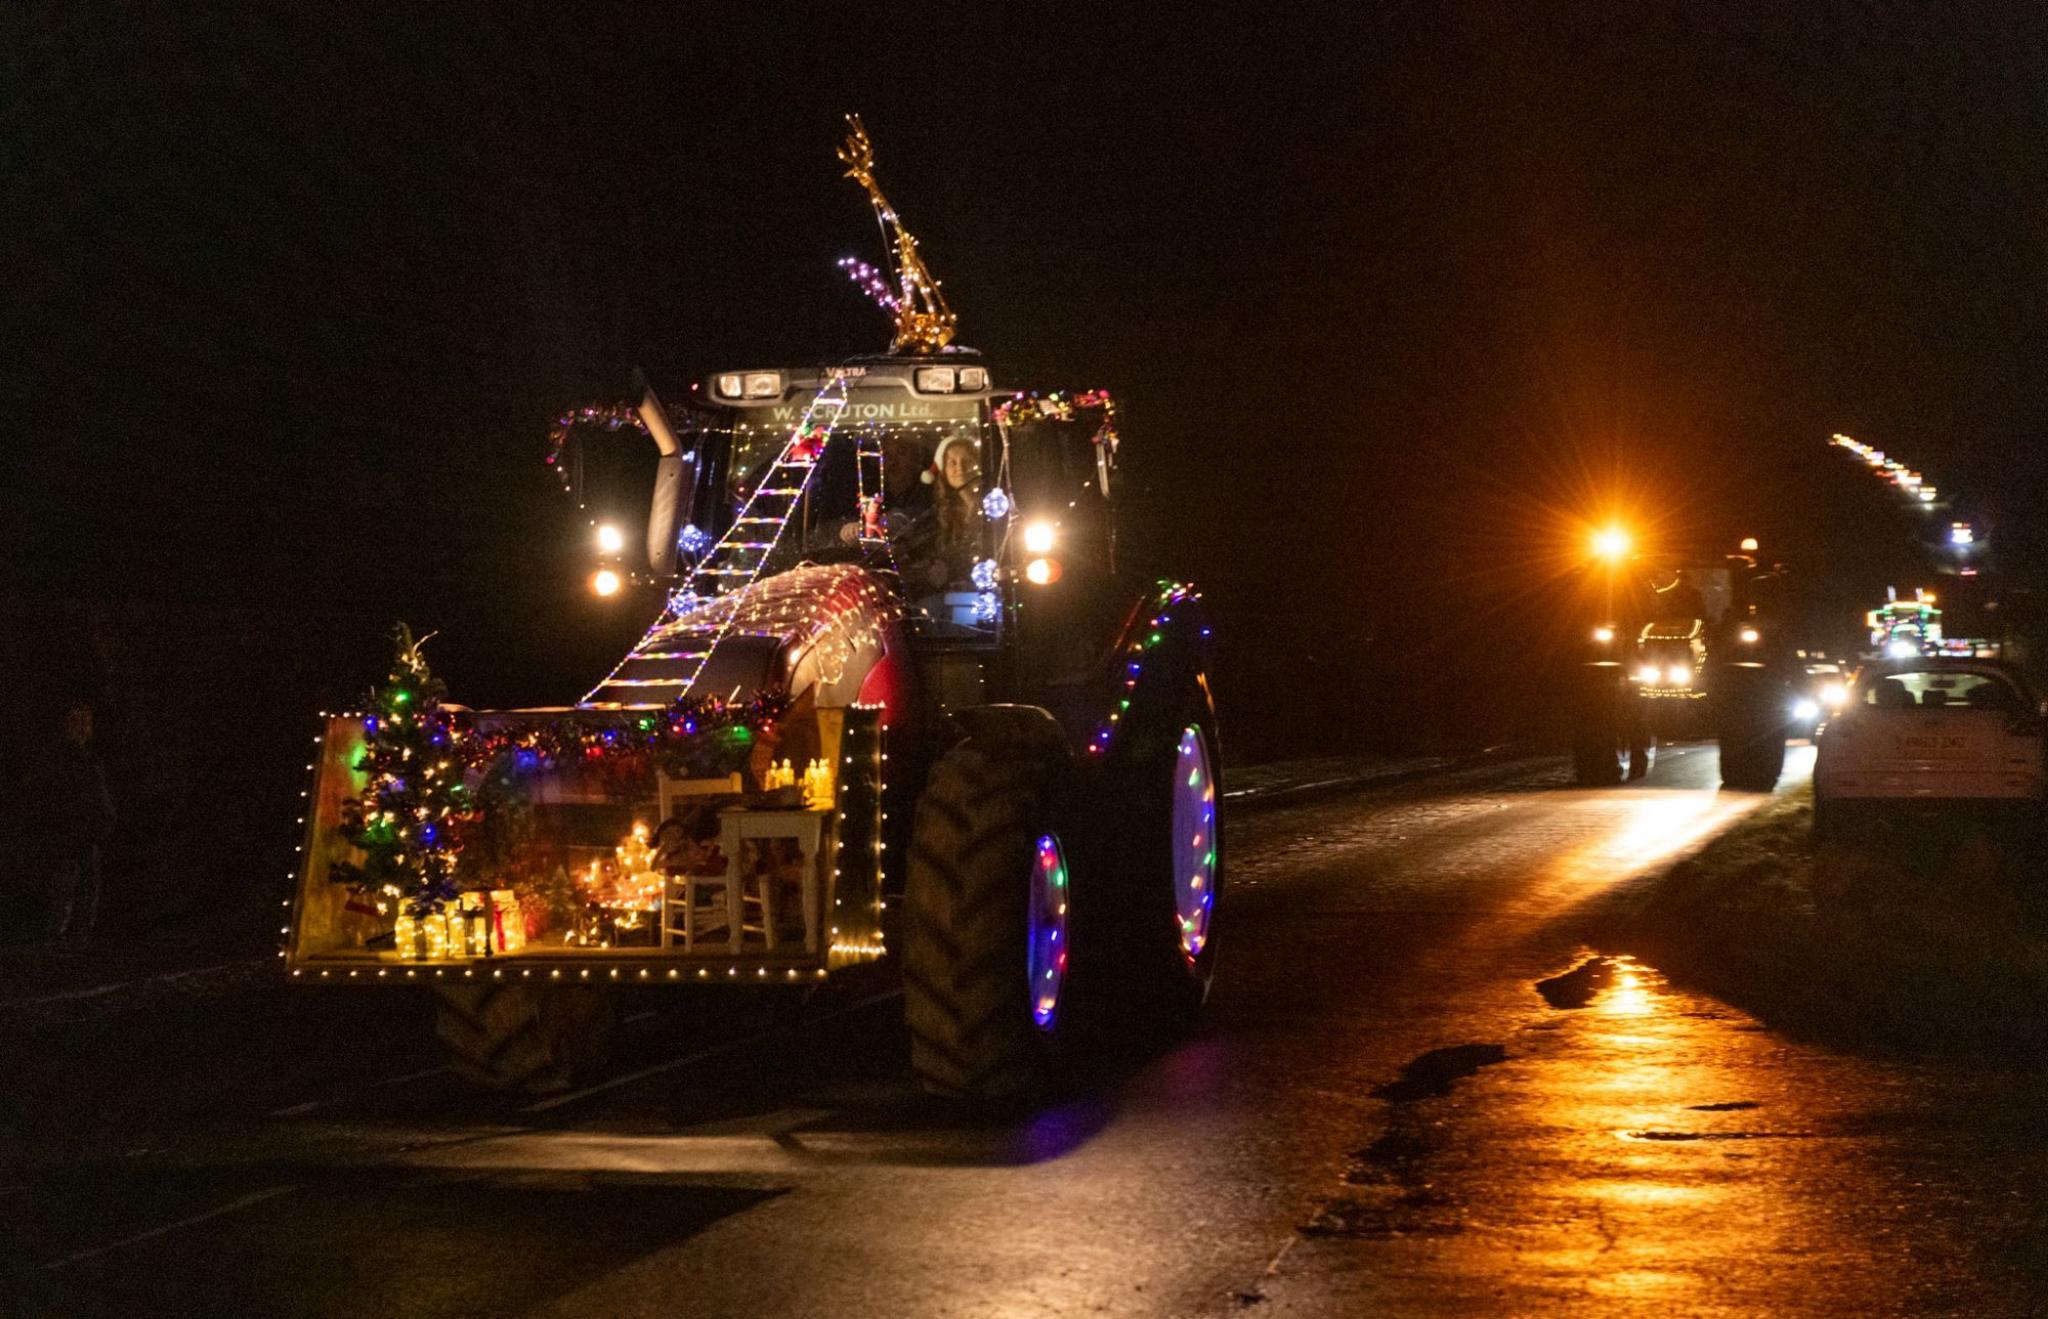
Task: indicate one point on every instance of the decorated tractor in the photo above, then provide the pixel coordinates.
(899, 710)
(1681, 648)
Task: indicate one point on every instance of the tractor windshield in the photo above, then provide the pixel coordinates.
(893, 491)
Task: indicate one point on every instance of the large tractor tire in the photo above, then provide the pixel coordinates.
(1151, 952)
(1599, 756)
(985, 921)
(1642, 750)
(538, 1038)
(1753, 721)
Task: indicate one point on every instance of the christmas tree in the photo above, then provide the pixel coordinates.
(409, 820)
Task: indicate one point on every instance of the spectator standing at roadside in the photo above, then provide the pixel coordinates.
(76, 815)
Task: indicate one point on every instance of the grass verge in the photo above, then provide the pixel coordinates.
(1922, 940)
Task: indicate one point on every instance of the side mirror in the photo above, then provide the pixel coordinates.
(675, 482)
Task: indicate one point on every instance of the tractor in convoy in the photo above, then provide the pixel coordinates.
(1681, 647)
(899, 706)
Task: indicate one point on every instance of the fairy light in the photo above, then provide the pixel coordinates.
(1140, 641)
(870, 281)
(737, 560)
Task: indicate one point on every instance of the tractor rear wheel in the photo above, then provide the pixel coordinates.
(1642, 750)
(1599, 758)
(1152, 929)
(1752, 745)
(985, 930)
(537, 1038)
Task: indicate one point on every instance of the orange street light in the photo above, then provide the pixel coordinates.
(1611, 543)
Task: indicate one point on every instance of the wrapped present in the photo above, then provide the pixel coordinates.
(507, 921)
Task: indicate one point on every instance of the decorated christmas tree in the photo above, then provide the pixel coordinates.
(409, 819)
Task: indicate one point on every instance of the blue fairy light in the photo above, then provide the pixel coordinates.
(995, 505)
(984, 575)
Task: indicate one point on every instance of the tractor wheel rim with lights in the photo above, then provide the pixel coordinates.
(1047, 963)
(1194, 842)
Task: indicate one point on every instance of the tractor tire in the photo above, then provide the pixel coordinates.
(1752, 755)
(538, 1038)
(967, 997)
(1155, 973)
(1642, 751)
(1598, 761)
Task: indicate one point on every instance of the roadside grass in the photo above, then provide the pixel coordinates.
(1927, 940)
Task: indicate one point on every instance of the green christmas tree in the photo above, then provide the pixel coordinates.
(410, 818)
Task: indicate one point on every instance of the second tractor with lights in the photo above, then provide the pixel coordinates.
(1681, 647)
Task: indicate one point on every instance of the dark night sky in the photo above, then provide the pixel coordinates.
(292, 297)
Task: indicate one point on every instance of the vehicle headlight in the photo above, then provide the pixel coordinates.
(1678, 675)
(973, 379)
(731, 386)
(1648, 675)
(764, 384)
(1805, 710)
(1039, 536)
(1042, 572)
(605, 582)
(1834, 695)
(1902, 650)
(1749, 636)
(1603, 635)
(610, 539)
(936, 379)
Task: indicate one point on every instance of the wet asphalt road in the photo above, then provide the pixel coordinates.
(1381, 1115)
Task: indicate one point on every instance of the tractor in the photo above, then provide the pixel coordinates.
(900, 710)
(1681, 647)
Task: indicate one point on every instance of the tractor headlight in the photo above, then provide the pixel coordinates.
(1042, 572)
(1603, 635)
(1648, 675)
(605, 582)
(731, 386)
(1678, 675)
(936, 379)
(764, 384)
(1834, 695)
(1749, 636)
(1805, 711)
(1039, 536)
(973, 379)
(610, 539)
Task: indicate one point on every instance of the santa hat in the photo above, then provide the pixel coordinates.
(931, 474)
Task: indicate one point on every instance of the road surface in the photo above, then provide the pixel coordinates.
(1382, 1115)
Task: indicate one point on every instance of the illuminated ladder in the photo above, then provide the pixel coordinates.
(661, 668)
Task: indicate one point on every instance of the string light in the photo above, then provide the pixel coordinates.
(924, 323)
(1141, 640)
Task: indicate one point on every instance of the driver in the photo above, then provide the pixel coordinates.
(941, 551)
